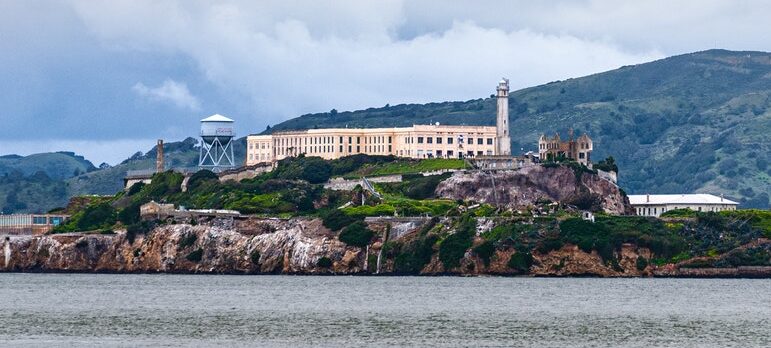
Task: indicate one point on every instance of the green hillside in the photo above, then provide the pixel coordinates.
(24, 187)
(56, 165)
(698, 122)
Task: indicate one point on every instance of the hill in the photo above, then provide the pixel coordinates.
(698, 122)
(41, 182)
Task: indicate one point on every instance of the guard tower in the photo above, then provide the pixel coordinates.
(216, 143)
(502, 138)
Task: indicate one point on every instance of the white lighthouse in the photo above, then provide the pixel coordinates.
(503, 140)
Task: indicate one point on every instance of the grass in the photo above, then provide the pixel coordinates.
(408, 167)
(404, 207)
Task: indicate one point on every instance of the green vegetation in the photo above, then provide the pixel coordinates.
(195, 255)
(412, 257)
(521, 261)
(188, 240)
(454, 246)
(324, 262)
(415, 186)
(255, 257)
(356, 234)
(485, 251)
(407, 166)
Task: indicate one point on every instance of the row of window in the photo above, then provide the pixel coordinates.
(450, 140)
(655, 211)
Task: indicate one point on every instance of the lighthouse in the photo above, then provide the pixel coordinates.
(503, 140)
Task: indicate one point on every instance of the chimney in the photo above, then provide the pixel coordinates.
(721, 197)
(159, 166)
(648, 198)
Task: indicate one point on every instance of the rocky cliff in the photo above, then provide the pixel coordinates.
(285, 246)
(526, 187)
(304, 246)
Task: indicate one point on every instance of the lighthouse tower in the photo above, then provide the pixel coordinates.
(503, 140)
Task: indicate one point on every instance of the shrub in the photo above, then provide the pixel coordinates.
(187, 240)
(356, 234)
(130, 214)
(324, 262)
(521, 261)
(138, 228)
(255, 257)
(415, 255)
(195, 255)
(641, 263)
(336, 220)
(485, 251)
(134, 189)
(199, 178)
(96, 217)
(452, 248)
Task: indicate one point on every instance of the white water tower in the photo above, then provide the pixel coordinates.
(216, 143)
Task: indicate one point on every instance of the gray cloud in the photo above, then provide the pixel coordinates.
(262, 62)
(170, 91)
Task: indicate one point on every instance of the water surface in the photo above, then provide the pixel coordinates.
(63, 310)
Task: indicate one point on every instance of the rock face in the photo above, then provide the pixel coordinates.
(518, 189)
(291, 246)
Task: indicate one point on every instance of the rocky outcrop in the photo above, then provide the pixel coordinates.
(525, 187)
(290, 246)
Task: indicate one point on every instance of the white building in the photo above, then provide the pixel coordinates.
(655, 205)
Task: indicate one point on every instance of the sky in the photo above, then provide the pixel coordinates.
(106, 78)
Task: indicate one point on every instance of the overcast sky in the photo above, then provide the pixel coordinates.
(107, 78)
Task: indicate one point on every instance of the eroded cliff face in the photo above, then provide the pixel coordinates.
(290, 246)
(295, 246)
(525, 187)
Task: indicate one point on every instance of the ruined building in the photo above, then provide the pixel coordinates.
(579, 150)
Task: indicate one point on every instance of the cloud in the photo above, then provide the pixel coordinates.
(290, 60)
(171, 91)
(262, 62)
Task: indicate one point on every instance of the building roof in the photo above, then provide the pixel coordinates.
(697, 198)
(216, 118)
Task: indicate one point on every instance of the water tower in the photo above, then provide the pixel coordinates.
(216, 143)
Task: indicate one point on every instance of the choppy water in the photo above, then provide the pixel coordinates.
(288, 311)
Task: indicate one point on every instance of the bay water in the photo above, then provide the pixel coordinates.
(161, 310)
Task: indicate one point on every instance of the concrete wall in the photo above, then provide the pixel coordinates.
(340, 184)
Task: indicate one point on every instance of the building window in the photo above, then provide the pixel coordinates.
(341, 148)
(389, 148)
(358, 148)
(389, 139)
(438, 140)
(480, 153)
(489, 141)
(420, 140)
(341, 141)
(470, 153)
(480, 141)
(470, 141)
(449, 153)
(350, 148)
(449, 140)
(438, 152)
(430, 140)
(358, 141)
(581, 155)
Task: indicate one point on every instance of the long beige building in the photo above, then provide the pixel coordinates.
(418, 141)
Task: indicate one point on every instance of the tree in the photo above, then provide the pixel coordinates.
(333, 112)
(608, 165)
(356, 234)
